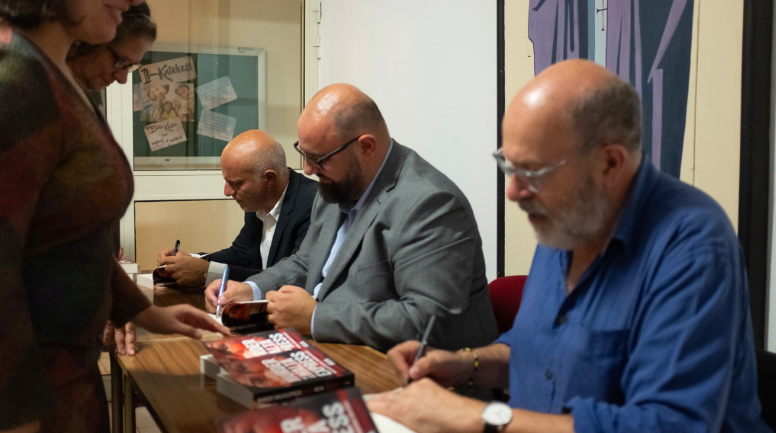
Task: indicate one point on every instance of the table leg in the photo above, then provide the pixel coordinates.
(117, 394)
(129, 406)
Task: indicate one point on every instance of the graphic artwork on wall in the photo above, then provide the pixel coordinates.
(646, 42)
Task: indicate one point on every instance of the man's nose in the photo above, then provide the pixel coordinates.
(517, 189)
(121, 76)
(228, 190)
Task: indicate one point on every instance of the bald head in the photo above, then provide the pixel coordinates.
(256, 151)
(342, 111)
(254, 167)
(593, 104)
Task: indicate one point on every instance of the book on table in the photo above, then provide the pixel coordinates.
(246, 317)
(272, 366)
(337, 411)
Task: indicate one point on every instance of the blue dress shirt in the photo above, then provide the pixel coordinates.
(656, 336)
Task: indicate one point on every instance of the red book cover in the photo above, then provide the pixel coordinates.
(246, 317)
(274, 365)
(339, 411)
(258, 344)
(283, 376)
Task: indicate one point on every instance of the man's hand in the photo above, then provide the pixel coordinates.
(163, 254)
(178, 319)
(187, 270)
(446, 368)
(234, 292)
(124, 338)
(291, 307)
(424, 406)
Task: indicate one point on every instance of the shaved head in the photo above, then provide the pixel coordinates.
(254, 167)
(257, 151)
(343, 127)
(343, 111)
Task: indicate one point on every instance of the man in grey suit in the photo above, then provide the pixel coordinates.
(392, 241)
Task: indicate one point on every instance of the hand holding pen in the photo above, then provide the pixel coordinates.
(224, 279)
(423, 343)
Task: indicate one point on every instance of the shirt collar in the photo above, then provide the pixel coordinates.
(362, 199)
(275, 212)
(643, 183)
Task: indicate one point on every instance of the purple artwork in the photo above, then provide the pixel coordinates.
(647, 43)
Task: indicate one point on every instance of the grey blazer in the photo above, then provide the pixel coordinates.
(413, 251)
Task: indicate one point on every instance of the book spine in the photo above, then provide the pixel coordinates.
(304, 389)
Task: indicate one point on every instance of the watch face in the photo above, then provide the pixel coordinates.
(498, 414)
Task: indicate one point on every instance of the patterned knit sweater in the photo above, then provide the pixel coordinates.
(64, 185)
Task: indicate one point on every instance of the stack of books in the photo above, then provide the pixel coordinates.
(271, 366)
(338, 411)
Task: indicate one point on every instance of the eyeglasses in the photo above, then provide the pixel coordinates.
(532, 179)
(319, 161)
(121, 62)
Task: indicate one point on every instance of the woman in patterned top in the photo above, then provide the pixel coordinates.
(64, 185)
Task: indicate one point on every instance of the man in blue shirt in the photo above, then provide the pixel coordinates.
(635, 315)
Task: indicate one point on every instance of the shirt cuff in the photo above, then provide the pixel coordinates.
(214, 272)
(257, 295)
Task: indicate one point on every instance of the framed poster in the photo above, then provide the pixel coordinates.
(188, 103)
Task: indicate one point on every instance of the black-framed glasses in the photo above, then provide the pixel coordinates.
(319, 161)
(121, 62)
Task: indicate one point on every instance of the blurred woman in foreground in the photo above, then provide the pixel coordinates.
(64, 185)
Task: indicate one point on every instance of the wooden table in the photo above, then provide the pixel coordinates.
(165, 375)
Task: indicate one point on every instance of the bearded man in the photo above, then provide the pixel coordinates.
(635, 315)
(392, 241)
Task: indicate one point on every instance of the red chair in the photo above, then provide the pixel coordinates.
(505, 296)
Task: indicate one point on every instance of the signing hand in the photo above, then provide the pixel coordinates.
(166, 253)
(291, 307)
(234, 292)
(124, 338)
(178, 319)
(187, 270)
(446, 368)
(424, 406)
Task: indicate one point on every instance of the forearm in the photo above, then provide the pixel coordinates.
(493, 365)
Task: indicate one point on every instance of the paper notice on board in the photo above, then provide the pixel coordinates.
(216, 125)
(216, 92)
(169, 71)
(165, 133)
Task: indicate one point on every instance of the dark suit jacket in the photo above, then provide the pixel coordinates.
(413, 251)
(244, 256)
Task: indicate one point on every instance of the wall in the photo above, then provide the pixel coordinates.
(160, 224)
(431, 67)
(711, 154)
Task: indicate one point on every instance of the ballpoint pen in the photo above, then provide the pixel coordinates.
(423, 343)
(224, 279)
(175, 250)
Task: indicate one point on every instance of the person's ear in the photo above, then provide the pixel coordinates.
(368, 145)
(614, 160)
(271, 177)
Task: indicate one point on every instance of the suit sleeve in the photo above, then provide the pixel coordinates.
(432, 263)
(291, 270)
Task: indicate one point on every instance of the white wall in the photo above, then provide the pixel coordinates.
(431, 68)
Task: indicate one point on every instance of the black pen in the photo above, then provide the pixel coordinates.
(175, 250)
(423, 343)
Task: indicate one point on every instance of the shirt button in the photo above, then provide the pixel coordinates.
(548, 375)
(562, 320)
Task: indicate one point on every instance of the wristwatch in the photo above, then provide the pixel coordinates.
(496, 416)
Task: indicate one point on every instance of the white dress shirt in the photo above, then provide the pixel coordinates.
(269, 222)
